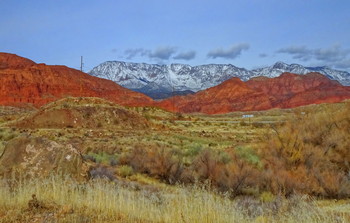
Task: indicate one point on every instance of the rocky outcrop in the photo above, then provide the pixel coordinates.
(40, 157)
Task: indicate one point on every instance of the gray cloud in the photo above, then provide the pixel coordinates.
(263, 55)
(159, 54)
(332, 56)
(297, 52)
(189, 55)
(230, 53)
(344, 64)
(131, 53)
(163, 53)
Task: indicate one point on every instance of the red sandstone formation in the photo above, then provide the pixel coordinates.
(286, 91)
(231, 95)
(12, 61)
(292, 90)
(25, 82)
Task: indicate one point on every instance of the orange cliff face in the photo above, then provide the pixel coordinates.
(25, 82)
(292, 90)
(261, 93)
(231, 95)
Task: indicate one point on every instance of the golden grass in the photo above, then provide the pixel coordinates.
(101, 201)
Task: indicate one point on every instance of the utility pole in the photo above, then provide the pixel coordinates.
(81, 64)
(81, 69)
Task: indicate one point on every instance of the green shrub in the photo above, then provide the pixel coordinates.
(101, 157)
(267, 196)
(224, 157)
(7, 135)
(248, 154)
(193, 150)
(125, 171)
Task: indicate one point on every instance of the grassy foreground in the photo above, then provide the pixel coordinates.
(65, 200)
(279, 166)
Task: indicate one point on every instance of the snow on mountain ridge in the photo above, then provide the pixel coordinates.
(278, 68)
(150, 78)
(179, 76)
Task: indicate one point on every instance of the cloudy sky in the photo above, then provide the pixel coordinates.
(246, 33)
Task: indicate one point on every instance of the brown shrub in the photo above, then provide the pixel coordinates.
(310, 154)
(206, 166)
(156, 162)
(239, 174)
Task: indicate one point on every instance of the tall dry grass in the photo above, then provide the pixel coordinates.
(66, 200)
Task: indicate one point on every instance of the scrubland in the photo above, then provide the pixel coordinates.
(289, 165)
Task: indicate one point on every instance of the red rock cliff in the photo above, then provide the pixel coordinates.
(23, 81)
(292, 90)
(231, 95)
(286, 91)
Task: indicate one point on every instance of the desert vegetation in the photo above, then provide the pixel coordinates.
(149, 165)
(308, 153)
(62, 199)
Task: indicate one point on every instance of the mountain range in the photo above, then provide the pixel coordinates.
(162, 81)
(25, 82)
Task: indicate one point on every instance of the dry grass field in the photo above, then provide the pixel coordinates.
(65, 200)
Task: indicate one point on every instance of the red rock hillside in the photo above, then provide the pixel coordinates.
(23, 81)
(231, 95)
(292, 90)
(286, 91)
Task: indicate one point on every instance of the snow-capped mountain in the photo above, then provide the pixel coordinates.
(278, 68)
(153, 79)
(161, 81)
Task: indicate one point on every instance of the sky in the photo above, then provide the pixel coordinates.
(245, 33)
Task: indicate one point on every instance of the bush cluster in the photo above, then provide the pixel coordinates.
(308, 154)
